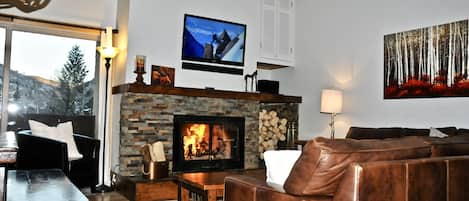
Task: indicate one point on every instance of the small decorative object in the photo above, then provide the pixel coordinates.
(272, 129)
(154, 161)
(252, 79)
(139, 69)
(427, 62)
(268, 86)
(331, 103)
(163, 76)
(291, 134)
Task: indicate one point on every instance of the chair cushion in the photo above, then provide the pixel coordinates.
(322, 163)
(63, 133)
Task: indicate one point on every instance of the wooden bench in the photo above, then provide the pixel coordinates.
(40, 185)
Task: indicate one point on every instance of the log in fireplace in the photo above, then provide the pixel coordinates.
(205, 143)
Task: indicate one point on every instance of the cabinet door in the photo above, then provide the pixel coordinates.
(285, 29)
(268, 30)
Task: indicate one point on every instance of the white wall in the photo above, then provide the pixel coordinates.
(155, 30)
(93, 13)
(339, 44)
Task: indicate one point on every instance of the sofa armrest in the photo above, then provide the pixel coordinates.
(247, 188)
(36, 152)
(84, 172)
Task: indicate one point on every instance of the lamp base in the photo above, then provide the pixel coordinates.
(103, 189)
(332, 126)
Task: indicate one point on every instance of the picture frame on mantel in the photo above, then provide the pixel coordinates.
(428, 62)
(162, 76)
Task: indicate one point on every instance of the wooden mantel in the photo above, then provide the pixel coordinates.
(211, 93)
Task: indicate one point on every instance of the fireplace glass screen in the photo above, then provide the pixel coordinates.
(205, 142)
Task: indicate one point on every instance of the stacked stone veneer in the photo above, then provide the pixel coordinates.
(146, 118)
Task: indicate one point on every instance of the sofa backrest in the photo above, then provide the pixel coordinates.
(451, 146)
(429, 179)
(396, 132)
(319, 169)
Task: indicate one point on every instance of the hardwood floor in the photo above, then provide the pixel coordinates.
(112, 196)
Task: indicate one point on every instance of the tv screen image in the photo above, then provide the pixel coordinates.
(214, 41)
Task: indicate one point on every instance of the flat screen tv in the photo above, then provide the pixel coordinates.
(213, 41)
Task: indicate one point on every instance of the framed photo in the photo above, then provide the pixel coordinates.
(161, 75)
(427, 62)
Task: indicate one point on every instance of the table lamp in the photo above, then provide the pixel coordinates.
(331, 103)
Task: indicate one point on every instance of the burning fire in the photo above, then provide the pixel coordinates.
(197, 139)
(193, 138)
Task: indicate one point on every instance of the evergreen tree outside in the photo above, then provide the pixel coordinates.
(72, 76)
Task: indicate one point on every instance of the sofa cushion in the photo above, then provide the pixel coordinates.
(437, 133)
(278, 165)
(374, 133)
(450, 131)
(463, 131)
(322, 163)
(396, 132)
(63, 133)
(416, 132)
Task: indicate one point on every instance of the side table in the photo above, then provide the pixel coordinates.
(138, 188)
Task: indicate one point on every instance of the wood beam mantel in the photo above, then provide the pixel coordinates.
(211, 93)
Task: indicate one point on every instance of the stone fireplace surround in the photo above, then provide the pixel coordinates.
(147, 116)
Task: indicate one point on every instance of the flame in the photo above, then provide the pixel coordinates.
(192, 137)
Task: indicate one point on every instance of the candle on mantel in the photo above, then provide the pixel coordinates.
(140, 63)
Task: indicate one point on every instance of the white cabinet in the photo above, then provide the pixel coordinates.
(277, 32)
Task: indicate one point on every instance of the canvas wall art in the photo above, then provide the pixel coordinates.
(163, 76)
(427, 62)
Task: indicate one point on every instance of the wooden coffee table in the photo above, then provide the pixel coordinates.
(208, 186)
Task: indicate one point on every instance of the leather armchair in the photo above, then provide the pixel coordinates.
(36, 152)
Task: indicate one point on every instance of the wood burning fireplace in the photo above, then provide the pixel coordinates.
(205, 143)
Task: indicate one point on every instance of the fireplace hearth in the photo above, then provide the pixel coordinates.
(205, 143)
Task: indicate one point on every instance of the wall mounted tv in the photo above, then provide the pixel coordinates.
(213, 41)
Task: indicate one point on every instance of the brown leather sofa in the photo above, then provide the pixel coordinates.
(394, 169)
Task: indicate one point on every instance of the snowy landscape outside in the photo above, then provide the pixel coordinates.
(50, 75)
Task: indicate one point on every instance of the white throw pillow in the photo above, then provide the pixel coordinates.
(63, 133)
(437, 133)
(279, 164)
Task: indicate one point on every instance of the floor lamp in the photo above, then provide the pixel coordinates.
(107, 52)
(331, 103)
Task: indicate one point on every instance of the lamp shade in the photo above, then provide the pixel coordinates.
(108, 52)
(106, 49)
(331, 101)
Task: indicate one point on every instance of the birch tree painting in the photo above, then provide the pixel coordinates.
(427, 62)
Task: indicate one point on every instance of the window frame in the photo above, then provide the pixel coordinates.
(53, 29)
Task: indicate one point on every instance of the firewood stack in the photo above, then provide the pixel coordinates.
(271, 129)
